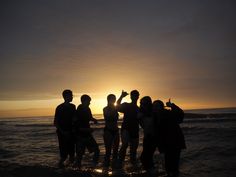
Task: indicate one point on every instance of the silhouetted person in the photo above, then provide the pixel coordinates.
(170, 138)
(111, 130)
(83, 132)
(130, 126)
(147, 123)
(63, 122)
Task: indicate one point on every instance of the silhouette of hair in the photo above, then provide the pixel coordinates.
(146, 100)
(134, 93)
(84, 98)
(146, 105)
(66, 93)
(158, 103)
(111, 97)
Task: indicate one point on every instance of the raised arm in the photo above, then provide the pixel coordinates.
(123, 94)
(177, 112)
(119, 106)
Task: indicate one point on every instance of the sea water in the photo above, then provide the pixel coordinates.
(211, 144)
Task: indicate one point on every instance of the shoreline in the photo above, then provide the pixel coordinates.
(16, 170)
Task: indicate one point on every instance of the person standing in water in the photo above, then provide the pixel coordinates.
(111, 130)
(83, 132)
(170, 139)
(147, 123)
(63, 122)
(130, 126)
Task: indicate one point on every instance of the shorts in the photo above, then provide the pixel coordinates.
(86, 142)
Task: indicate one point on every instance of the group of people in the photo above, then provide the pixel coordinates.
(160, 125)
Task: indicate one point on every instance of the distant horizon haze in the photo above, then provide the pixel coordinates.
(32, 109)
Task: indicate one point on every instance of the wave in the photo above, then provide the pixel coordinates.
(6, 153)
(209, 115)
(34, 125)
(201, 123)
(209, 119)
(213, 110)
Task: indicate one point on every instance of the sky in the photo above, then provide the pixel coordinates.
(184, 50)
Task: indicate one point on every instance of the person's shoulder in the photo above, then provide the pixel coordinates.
(105, 108)
(125, 104)
(72, 105)
(166, 111)
(60, 106)
(79, 106)
(132, 106)
(83, 108)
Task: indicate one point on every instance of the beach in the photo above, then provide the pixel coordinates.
(29, 147)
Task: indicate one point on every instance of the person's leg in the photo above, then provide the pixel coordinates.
(71, 149)
(116, 141)
(147, 153)
(62, 149)
(125, 141)
(175, 162)
(108, 145)
(93, 147)
(150, 151)
(172, 162)
(142, 157)
(133, 149)
(80, 150)
(168, 162)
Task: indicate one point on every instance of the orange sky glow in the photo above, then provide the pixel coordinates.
(183, 51)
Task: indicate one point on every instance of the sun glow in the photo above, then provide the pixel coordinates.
(29, 108)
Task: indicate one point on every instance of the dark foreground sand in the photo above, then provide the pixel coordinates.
(11, 170)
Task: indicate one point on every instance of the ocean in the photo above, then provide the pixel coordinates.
(29, 146)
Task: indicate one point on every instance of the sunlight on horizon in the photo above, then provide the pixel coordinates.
(32, 108)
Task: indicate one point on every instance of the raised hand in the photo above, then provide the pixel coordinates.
(124, 94)
(169, 104)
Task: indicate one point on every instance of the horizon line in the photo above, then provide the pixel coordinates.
(102, 113)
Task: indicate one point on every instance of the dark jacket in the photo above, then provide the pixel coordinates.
(167, 130)
(82, 118)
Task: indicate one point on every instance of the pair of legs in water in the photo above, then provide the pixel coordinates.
(111, 140)
(127, 139)
(90, 143)
(172, 157)
(66, 147)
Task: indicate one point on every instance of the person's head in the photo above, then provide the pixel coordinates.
(134, 95)
(146, 104)
(146, 101)
(85, 100)
(111, 99)
(158, 105)
(67, 95)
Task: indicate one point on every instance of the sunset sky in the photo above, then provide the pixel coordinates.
(184, 50)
